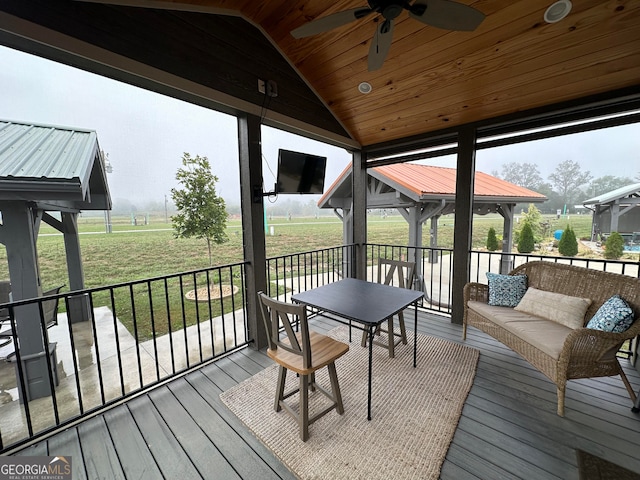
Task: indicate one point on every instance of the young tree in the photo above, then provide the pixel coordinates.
(492, 240)
(201, 212)
(526, 243)
(614, 246)
(534, 218)
(567, 178)
(568, 244)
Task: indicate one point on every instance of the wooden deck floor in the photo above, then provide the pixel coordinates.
(508, 430)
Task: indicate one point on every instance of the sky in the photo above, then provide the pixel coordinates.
(145, 134)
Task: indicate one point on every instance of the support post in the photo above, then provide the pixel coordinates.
(250, 150)
(359, 212)
(415, 240)
(615, 216)
(465, 176)
(25, 283)
(506, 260)
(434, 256)
(79, 310)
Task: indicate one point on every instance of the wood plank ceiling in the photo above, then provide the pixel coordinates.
(432, 79)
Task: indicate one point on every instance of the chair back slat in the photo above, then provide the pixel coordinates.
(276, 313)
(405, 271)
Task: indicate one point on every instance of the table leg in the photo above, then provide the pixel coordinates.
(371, 332)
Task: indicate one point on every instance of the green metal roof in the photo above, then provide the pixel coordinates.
(613, 195)
(52, 163)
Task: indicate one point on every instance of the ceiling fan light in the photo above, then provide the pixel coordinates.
(365, 87)
(557, 11)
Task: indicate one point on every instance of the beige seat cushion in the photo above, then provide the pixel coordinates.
(543, 334)
(566, 310)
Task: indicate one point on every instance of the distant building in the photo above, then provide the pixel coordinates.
(616, 211)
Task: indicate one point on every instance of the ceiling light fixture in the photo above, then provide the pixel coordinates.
(365, 87)
(557, 11)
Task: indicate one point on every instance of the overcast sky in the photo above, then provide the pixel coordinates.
(145, 134)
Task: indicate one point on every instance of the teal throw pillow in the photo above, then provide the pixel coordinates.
(506, 290)
(615, 315)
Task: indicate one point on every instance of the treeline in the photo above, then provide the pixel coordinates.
(569, 185)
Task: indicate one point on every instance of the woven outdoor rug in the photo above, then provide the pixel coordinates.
(414, 412)
(596, 468)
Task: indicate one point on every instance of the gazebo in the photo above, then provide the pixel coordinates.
(44, 169)
(616, 211)
(424, 192)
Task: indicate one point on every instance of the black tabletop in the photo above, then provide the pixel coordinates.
(358, 300)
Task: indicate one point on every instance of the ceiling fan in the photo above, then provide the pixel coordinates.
(446, 14)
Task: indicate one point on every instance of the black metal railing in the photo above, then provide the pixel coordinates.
(482, 262)
(434, 267)
(112, 343)
(117, 341)
(298, 272)
(434, 271)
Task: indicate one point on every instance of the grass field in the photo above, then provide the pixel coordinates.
(140, 252)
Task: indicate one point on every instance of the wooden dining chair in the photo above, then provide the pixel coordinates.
(304, 353)
(404, 273)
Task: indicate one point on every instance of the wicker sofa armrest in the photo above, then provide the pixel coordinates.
(586, 346)
(478, 292)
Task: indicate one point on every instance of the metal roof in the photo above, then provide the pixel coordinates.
(426, 182)
(41, 162)
(617, 194)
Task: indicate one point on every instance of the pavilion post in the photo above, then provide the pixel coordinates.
(25, 284)
(79, 305)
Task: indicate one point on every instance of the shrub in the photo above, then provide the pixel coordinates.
(525, 242)
(614, 246)
(492, 240)
(568, 245)
(534, 218)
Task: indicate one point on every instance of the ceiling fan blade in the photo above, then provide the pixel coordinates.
(380, 45)
(330, 22)
(447, 14)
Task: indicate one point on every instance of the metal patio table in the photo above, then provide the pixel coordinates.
(366, 303)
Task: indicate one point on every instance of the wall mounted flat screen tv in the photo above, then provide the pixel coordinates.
(300, 172)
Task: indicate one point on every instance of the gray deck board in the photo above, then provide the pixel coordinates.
(508, 428)
(67, 443)
(133, 451)
(231, 446)
(95, 437)
(164, 446)
(203, 453)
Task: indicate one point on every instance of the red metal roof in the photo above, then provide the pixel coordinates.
(425, 180)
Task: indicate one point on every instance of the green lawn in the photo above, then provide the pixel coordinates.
(140, 252)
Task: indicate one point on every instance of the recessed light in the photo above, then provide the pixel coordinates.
(557, 11)
(365, 87)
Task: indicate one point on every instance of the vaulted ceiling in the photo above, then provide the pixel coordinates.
(432, 79)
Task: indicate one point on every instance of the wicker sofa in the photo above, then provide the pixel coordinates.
(578, 353)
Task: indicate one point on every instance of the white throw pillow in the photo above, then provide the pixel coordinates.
(563, 309)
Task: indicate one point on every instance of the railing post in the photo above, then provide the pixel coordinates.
(250, 150)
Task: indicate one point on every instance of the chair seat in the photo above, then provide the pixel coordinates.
(325, 350)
